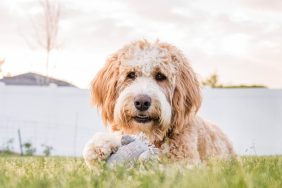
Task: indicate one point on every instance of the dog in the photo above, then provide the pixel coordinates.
(151, 88)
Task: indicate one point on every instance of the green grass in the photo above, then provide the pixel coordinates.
(60, 172)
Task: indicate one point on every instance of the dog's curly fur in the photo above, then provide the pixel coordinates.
(174, 126)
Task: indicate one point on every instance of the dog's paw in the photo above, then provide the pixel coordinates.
(100, 147)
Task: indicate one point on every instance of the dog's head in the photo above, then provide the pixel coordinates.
(147, 87)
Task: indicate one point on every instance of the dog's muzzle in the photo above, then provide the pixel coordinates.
(142, 102)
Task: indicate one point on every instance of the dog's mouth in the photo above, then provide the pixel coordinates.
(144, 118)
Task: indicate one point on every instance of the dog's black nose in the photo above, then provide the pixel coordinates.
(142, 102)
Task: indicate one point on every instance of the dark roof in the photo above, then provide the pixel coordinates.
(33, 79)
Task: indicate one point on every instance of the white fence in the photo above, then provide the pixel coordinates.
(63, 118)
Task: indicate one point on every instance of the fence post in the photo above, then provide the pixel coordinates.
(20, 141)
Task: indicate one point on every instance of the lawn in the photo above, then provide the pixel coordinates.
(61, 172)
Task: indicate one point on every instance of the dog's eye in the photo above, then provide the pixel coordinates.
(131, 75)
(160, 77)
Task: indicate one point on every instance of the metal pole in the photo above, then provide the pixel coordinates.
(20, 141)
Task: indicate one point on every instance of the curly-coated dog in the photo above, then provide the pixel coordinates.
(151, 88)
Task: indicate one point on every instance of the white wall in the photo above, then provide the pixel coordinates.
(252, 118)
(60, 117)
(64, 119)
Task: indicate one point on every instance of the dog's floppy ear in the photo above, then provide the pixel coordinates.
(104, 86)
(187, 97)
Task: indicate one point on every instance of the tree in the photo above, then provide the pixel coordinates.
(46, 28)
(211, 81)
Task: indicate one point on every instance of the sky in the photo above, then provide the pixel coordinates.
(239, 40)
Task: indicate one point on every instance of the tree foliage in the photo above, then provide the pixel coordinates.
(213, 82)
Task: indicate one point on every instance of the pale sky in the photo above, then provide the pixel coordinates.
(239, 40)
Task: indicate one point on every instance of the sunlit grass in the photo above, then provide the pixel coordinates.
(60, 172)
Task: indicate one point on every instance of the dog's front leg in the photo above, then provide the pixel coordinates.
(182, 147)
(100, 147)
